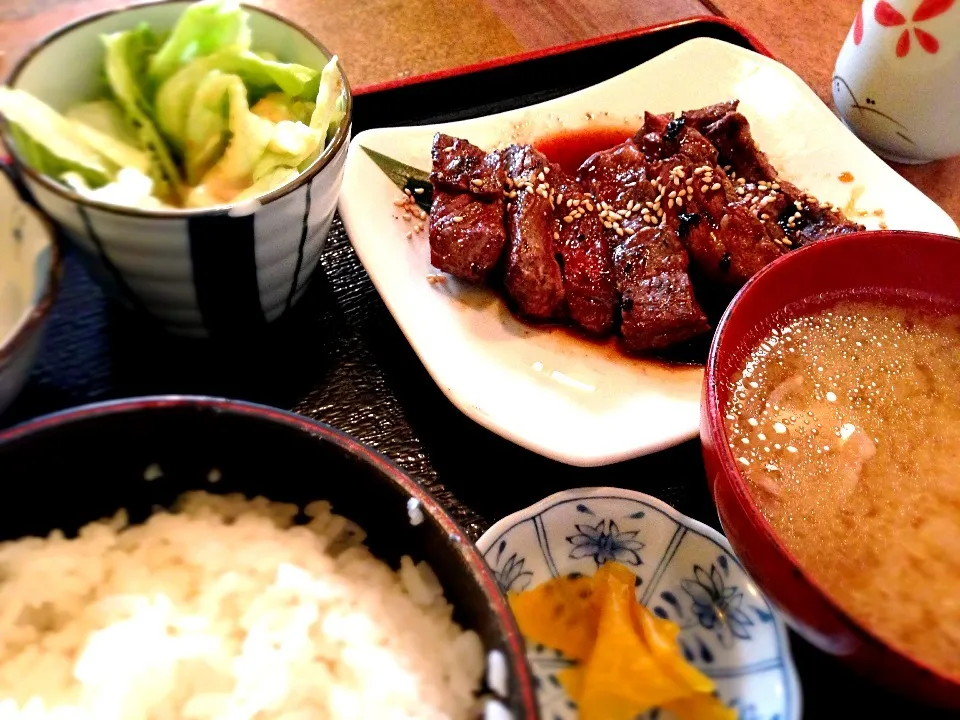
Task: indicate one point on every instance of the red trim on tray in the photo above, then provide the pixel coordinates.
(468, 550)
(560, 50)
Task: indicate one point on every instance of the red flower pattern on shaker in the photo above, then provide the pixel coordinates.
(888, 16)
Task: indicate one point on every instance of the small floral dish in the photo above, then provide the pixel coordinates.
(29, 270)
(685, 572)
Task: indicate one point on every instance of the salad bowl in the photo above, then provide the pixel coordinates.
(224, 270)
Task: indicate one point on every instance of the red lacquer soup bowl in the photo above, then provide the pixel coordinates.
(910, 269)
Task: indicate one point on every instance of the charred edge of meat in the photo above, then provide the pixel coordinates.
(786, 215)
(725, 262)
(673, 129)
(687, 221)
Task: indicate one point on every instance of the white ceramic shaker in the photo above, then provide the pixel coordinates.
(897, 78)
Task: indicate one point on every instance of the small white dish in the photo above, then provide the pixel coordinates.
(29, 270)
(687, 573)
(541, 388)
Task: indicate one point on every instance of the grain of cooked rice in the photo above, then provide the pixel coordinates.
(414, 512)
(226, 609)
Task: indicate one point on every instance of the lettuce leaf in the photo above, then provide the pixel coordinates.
(330, 107)
(297, 147)
(249, 137)
(174, 97)
(48, 142)
(276, 107)
(271, 181)
(126, 60)
(207, 129)
(204, 27)
(102, 126)
(290, 147)
(105, 116)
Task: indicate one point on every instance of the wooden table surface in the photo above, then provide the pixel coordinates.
(380, 40)
(383, 39)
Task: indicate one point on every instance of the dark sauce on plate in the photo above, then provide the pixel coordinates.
(692, 353)
(569, 149)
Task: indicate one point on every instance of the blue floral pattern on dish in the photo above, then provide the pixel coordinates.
(605, 541)
(748, 711)
(511, 577)
(716, 605)
(685, 572)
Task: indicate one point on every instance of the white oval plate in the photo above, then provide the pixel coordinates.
(542, 389)
(687, 573)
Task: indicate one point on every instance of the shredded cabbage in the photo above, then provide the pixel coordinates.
(195, 118)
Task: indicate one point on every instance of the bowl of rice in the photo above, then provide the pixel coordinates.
(200, 558)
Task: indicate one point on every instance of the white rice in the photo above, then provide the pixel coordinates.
(414, 512)
(227, 610)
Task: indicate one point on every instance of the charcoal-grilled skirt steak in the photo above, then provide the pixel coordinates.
(532, 276)
(613, 249)
(657, 307)
(459, 166)
(467, 236)
(586, 257)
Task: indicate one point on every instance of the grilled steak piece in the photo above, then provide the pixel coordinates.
(585, 257)
(620, 182)
(726, 236)
(724, 233)
(807, 220)
(466, 234)
(657, 306)
(663, 136)
(702, 117)
(800, 215)
(579, 244)
(533, 279)
(461, 166)
(616, 175)
(730, 134)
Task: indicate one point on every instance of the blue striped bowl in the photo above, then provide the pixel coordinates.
(213, 272)
(686, 572)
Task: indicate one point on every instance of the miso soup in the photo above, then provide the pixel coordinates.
(846, 426)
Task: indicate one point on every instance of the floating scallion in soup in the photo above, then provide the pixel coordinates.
(846, 426)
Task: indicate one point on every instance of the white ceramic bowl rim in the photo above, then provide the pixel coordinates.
(329, 152)
(36, 312)
(504, 524)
